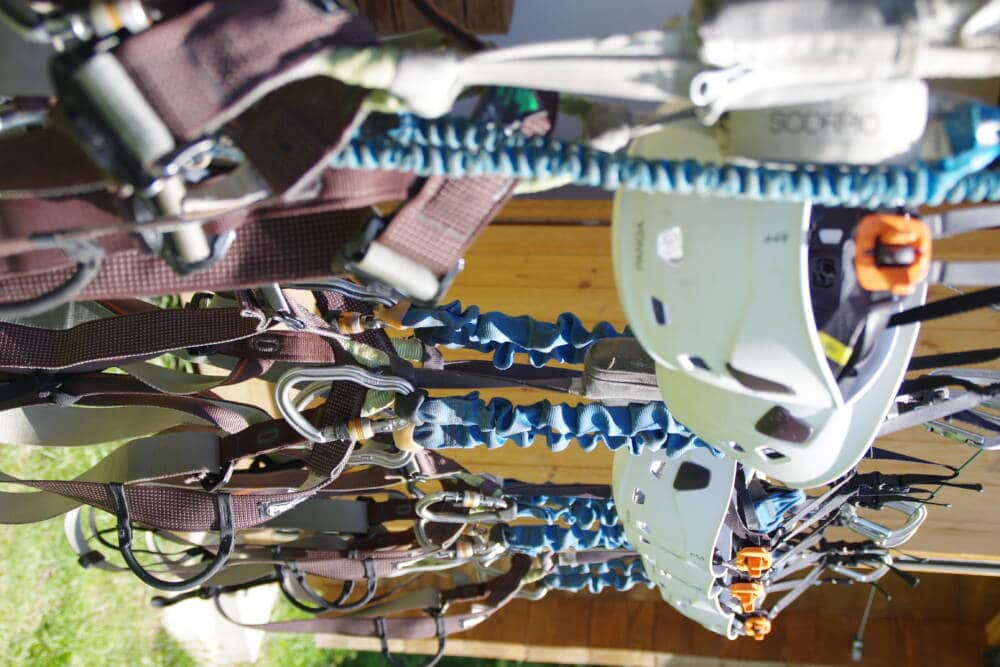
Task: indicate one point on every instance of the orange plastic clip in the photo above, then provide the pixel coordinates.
(758, 627)
(892, 253)
(753, 560)
(748, 593)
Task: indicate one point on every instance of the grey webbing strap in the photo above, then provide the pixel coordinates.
(972, 273)
(801, 587)
(57, 426)
(962, 220)
(171, 381)
(925, 413)
(165, 455)
(322, 515)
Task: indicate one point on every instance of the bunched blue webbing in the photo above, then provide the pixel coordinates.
(468, 421)
(566, 340)
(622, 575)
(571, 511)
(490, 151)
(536, 539)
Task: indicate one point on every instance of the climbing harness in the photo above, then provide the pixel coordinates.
(767, 250)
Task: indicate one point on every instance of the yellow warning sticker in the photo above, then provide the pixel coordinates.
(835, 351)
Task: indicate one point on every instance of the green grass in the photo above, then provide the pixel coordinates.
(55, 613)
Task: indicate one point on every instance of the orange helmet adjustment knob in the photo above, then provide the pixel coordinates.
(754, 561)
(757, 627)
(892, 253)
(749, 593)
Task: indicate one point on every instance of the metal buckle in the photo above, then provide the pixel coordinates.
(353, 430)
(100, 19)
(375, 263)
(126, 136)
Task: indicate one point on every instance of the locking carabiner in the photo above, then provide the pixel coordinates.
(882, 535)
(497, 510)
(354, 429)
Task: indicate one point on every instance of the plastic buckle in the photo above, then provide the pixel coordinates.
(90, 559)
(892, 253)
(754, 561)
(374, 262)
(214, 481)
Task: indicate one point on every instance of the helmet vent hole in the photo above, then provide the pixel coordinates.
(735, 446)
(638, 496)
(660, 311)
(773, 454)
(756, 382)
(657, 468)
(642, 538)
(698, 362)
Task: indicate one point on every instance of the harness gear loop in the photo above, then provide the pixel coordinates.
(754, 561)
(893, 253)
(227, 542)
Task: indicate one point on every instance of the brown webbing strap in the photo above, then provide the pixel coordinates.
(43, 162)
(495, 594)
(272, 249)
(114, 390)
(113, 340)
(284, 346)
(207, 65)
(437, 226)
(291, 135)
(333, 566)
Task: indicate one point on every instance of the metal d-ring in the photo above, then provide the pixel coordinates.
(227, 541)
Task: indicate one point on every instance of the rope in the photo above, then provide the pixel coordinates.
(468, 421)
(456, 149)
(566, 340)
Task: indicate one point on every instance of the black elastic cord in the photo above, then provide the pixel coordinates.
(965, 358)
(944, 307)
(227, 542)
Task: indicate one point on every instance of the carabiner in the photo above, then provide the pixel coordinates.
(879, 570)
(882, 535)
(373, 456)
(354, 430)
(497, 509)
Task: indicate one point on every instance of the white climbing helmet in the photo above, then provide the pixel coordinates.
(721, 293)
(673, 511)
